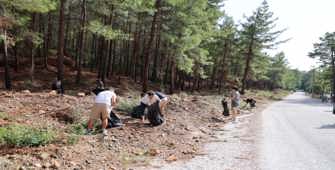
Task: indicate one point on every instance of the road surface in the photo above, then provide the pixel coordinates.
(297, 133)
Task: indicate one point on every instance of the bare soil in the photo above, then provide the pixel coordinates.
(190, 120)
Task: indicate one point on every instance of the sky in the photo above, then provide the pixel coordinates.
(305, 20)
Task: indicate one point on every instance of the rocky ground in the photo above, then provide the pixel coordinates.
(190, 121)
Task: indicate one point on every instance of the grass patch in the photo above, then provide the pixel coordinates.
(78, 128)
(28, 84)
(77, 115)
(127, 105)
(129, 159)
(272, 95)
(5, 116)
(22, 135)
(73, 139)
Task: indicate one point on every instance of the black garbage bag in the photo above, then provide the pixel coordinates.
(225, 107)
(155, 116)
(113, 120)
(138, 111)
(251, 102)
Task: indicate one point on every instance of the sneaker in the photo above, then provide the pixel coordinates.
(104, 132)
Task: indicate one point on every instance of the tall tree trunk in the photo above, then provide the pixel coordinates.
(60, 60)
(109, 62)
(110, 46)
(93, 52)
(7, 74)
(40, 30)
(148, 48)
(224, 66)
(173, 76)
(81, 40)
(114, 57)
(154, 69)
(32, 55)
(247, 67)
(249, 56)
(101, 58)
(48, 38)
(67, 37)
(129, 63)
(167, 67)
(213, 77)
(137, 35)
(16, 58)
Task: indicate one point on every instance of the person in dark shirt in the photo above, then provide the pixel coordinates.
(57, 85)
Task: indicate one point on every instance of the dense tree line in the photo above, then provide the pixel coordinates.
(321, 80)
(180, 44)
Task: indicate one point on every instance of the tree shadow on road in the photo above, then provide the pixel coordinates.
(329, 126)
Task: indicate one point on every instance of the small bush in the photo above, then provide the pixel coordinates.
(127, 105)
(20, 136)
(5, 116)
(73, 139)
(28, 84)
(78, 128)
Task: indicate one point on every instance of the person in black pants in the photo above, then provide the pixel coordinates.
(57, 85)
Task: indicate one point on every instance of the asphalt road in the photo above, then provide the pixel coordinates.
(298, 133)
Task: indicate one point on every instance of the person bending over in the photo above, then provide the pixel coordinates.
(103, 104)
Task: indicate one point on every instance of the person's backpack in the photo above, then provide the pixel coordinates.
(138, 111)
(225, 107)
(154, 115)
(113, 120)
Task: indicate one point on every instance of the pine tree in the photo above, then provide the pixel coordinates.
(257, 34)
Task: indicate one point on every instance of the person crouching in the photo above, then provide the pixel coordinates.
(103, 104)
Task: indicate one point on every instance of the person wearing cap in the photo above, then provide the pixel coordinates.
(103, 104)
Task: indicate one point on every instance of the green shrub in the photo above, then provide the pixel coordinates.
(73, 139)
(127, 105)
(78, 128)
(21, 135)
(5, 116)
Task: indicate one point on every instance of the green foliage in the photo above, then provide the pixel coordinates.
(127, 105)
(319, 80)
(22, 135)
(37, 6)
(5, 116)
(73, 139)
(106, 31)
(322, 49)
(78, 128)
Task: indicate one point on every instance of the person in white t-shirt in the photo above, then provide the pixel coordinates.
(148, 99)
(103, 104)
